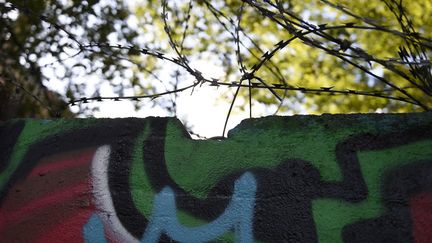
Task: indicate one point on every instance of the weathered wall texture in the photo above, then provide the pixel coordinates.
(341, 178)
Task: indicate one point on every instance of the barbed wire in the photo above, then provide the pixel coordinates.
(413, 55)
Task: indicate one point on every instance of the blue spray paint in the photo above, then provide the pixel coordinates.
(237, 216)
(93, 231)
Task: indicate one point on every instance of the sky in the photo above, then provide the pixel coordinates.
(203, 112)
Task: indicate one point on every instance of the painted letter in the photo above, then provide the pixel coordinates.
(237, 216)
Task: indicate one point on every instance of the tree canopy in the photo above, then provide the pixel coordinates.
(43, 40)
(314, 55)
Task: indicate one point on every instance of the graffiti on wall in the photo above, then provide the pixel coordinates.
(347, 178)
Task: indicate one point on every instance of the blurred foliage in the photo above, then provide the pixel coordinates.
(212, 28)
(40, 43)
(345, 56)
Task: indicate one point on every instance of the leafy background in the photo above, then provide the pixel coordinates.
(63, 58)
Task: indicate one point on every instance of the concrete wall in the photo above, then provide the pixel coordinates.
(339, 178)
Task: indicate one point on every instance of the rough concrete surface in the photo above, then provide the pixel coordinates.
(329, 178)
